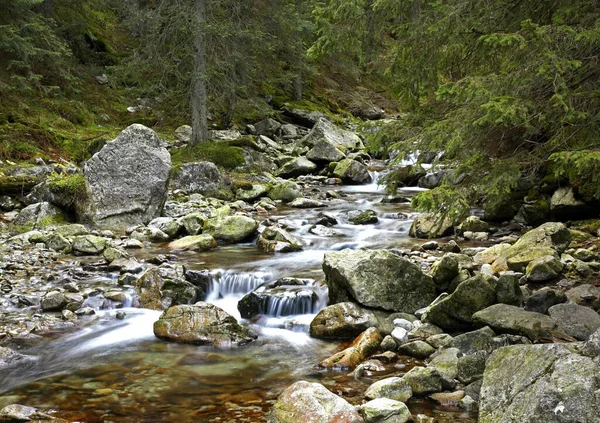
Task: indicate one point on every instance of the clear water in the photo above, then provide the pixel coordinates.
(116, 370)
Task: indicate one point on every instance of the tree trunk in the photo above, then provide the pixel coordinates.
(198, 95)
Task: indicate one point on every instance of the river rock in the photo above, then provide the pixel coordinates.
(394, 388)
(352, 172)
(89, 244)
(341, 321)
(455, 311)
(539, 383)
(417, 349)
(202, 178)
(203, 242)
(445, 270)
(430, 225)
(274, 239)
(9, 357)
(257, 191)
(306, 203)
(549, 239)
(312, 402)
(231, 229)
(543, 269)
(575, 320)
(445, 361)
(473, 224)
(541, 300)
(53, 301)
(57, 242)
(377, 278)
(565, 204)
(362, 347)
(168, 225)
(586, 295)
(183, 133)
(127, 180)
(201, 324)
(423, 380)
(297, 167)
(505, 318)
(325, 152)
(286, 192)
(366, 217)
(385, 410)
(39, 216)
(23, 413)
(340, 138)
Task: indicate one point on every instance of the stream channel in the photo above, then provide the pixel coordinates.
(114, 370)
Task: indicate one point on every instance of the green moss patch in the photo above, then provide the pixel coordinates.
(221, 153)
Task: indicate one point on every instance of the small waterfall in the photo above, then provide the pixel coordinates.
(230, 283)
(299, 302)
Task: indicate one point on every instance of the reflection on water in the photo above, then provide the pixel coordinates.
(116, 370)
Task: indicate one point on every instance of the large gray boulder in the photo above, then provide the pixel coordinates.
(203, 178)
(231, 229)
(127, 180)
(378, 279)
(540, 383)
(324, 151)
(201, 324)
(340, 138)
(39, 216)
(312, 402)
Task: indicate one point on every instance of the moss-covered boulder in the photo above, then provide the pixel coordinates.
(544, 269)
(473, 224)
(89, 244)
(377, 279)
(312, 402)
(352, 172)
(231, 229)
(340, 138)
(455, 311)
(366, 217)
(394, 388)
(38, 216)
(286, 192)
(444, 270)
(201, 324)
(539, 383)
(274, 239)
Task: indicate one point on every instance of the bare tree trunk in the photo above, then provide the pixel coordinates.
(198, 95)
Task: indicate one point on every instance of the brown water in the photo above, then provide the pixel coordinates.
(117, 371)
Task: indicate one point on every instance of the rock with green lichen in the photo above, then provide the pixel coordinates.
(286, 192)
(455, 311)
(38, 216)
(344, 320)
(89, 244)
(352, 172)
(231, 229)
(385, 410)
(540, 383)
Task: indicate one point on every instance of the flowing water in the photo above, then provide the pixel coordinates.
(115, 370)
